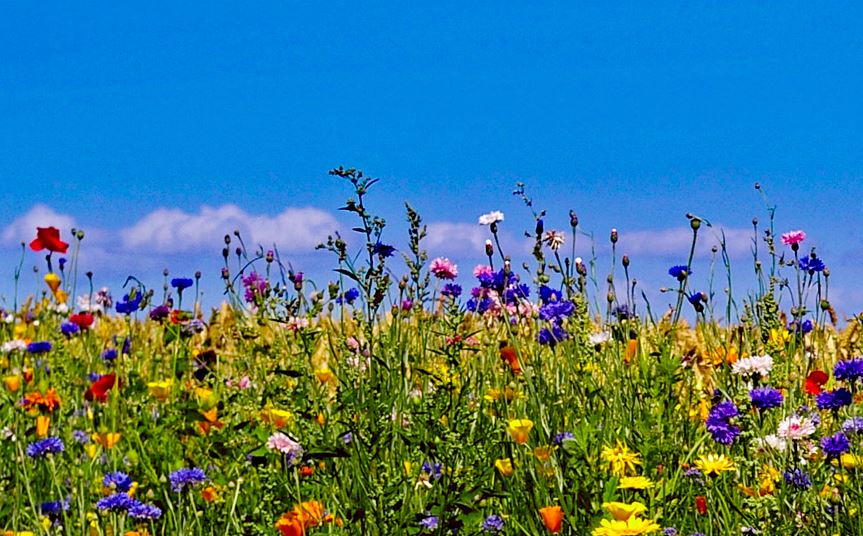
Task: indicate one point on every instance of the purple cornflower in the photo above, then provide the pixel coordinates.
(429, 522)
(561, 437)
(349, 297)
(115, 503)
(811, 264)
(552, 336)
(549, 295)
(80, 436)
(834, 400)
(383, 250)
(53, 508)
(118, 481)
(69, 329)
(722, 431)
(109, 354)
(182, 283)
(669, 531)
(556, 311)
(797, 478)
(764, 398)
(835, 445)
(849, 370)
(160, 312)
(43, 447)
(434, 470)
(255, 287)
(493, 524)
(186, 476)
(853, 425)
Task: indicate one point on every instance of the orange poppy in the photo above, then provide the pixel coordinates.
(510, 357)
(552, 517)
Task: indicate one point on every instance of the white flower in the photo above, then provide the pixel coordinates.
(9, 319)
(285, 445)
(13, 345)
(758, 364)
(554, 239)
(795, 428)
(771, 441)
(492, 217)
(596, 339)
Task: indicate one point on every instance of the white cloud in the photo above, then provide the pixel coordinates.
(455, 237)
(175, 231)
(23, 228)
(675, 242)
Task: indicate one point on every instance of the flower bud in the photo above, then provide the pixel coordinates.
(625, 261)
(573, 219)
(489, 248)
(539, 227)
(614, 236)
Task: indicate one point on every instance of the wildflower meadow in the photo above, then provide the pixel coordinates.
(547, 396)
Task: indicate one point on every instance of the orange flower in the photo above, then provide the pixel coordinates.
(510, 357)
(303, 516)
(210, 494)
(631, 349)
(307, 470)
(42, 425)
(12, 383)
(211, 420)
(108, 440)
(552, 516)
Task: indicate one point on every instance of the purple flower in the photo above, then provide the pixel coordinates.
(718, 423)
(160, 312)
(548, 294)
(53, 508)
(669, 531)
(552, 336)
(493, 524)
(110, 354)
(434, 470)
(798, 479)
(186, 477)
(451, 290)
(849, 370)
(764, 398)
(115, 503)
(80, 436)
(835, 445)
(556, 311)
(43, 447)
(680, 272)
(429, 522)
(69, 328)
(139, 510)
(561, 437)
(811, 264)
(349, 297)
(130, 305)
(834, 400)
(383, 250)
(255, 286)
(854, 425)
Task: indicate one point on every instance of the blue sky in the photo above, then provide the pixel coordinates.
(127, 120)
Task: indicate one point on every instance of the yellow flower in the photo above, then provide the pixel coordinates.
(714, 464)
(851, 461)
(42, 425)
(519, 429)
(543, 453)
(631, 527)
(108, 440)
(277, 417)
(635, 482)
(12, 383)
(91, 449)
(160, 390)
(504, 466)
(779, 336)
(700, 411)
(623, 511)
(205, 397)
(53, 281)
(620, 459)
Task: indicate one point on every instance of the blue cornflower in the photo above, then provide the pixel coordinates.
(182, 283)
(801, 328)
(451, 289)
(552, 336)
(835, 445)
(697, 297)
(118, 481)
(53, 508)
(478, 305)
(160, 312)
(383, 250)
(43, 447)
(764, 398)
(834, 400)
(115, 503)
(556, 311)
(811, 264)
(62, 262)
(129, 305)
(493, 524)
(347, 438)
(69, 328)
(722, 431)
(561, 437)
(853, 425)
(434, 470)
(110, 354)
(80, 436)
(39, 347)
(429, 522)
(348, 297)
(186, 476)
(548, 294)
(797, 478)
(680, 272)
(139, 510)
(849, 370)
(622, 312)
(669, 531)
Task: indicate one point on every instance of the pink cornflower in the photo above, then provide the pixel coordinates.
(482, 269)
(443, 268)
(793, 238)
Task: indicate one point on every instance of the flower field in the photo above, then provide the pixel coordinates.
(545, 397)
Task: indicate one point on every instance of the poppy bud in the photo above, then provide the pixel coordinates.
(614, 236)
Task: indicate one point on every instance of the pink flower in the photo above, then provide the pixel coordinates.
(792, 238)
(443, 268)
(284, 444)
(482, 269)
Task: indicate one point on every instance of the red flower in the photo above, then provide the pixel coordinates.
(701, 504)
(48, 238)
(99, 389)
(814, 381)
(82, 320)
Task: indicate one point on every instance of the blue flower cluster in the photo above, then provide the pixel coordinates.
(798, 479)
(811, 264)
(186, 477)
(719, 423)
(43, 447)
(764, 398)
(849, 370)
(834, 400)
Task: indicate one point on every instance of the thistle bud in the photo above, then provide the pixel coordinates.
(225, 252)
(614, 236)
(238, 251)
(270, 256)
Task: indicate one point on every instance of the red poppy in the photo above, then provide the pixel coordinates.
(814, 381)
(510, 357)
(48, 238)
(82, 320)
(99, 389)
(701, 504)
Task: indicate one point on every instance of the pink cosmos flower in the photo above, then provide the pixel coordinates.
(443, 268)
(792, 238)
